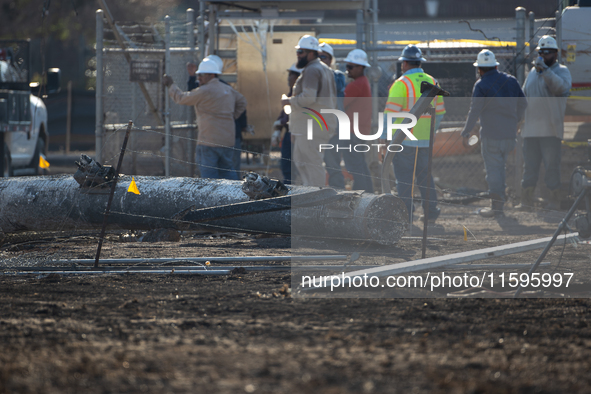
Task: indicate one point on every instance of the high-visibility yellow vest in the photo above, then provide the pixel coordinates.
(403, 95)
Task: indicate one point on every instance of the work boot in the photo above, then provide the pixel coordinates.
(527, 200)
(496, 207)
(554, 203)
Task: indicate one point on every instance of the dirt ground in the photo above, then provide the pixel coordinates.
(251, 332)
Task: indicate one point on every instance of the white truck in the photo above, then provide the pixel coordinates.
(23, 116)
(576, 55)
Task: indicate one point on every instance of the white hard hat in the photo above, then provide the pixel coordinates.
(324, 47)
(208, 66)
(357, 56)
(486, 59)
(547, 42)
(294, 69)
(218, 60)
(308, 42)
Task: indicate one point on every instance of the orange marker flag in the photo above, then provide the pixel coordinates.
(133, 187)
(43, 163)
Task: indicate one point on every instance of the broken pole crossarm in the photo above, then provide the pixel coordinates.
(113, 186)
(111, 23)
(319, 197)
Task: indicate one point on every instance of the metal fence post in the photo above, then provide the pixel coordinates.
(360, 29)
(201, 29)
(190, 112)
(167, 146)
(559, 32)
(212, 30)
(532, 36)
(98, 131)
(520, 44)
(520, 74)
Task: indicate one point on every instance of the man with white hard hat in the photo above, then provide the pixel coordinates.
(217, 105)
(547, 87)
(357, 101)
(499, 102)
(314, 91)
(241, 124)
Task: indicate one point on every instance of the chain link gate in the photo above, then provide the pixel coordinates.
(124, 100)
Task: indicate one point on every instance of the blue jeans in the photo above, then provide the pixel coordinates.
(404, 163)
(495, 152)
(537, 150)
(354, 163)
(215, 162)
(285, 161)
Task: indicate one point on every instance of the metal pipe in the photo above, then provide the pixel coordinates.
(561, 226)
(429, 165)
(244, 259)
(520, 44)
(111, 194)
(264, 268)
(559, 31)
(532, 35)
(168, 70)
(98, 129)
(187, 110)
(359, 29)
(191, 31)
(212, 39)
(367, 24)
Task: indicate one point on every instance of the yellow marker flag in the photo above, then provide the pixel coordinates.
(43, 163)
(465, 234)
(133, 187)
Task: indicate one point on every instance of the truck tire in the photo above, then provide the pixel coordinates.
(7, 163)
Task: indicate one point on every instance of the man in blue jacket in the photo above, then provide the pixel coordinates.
(499, 102)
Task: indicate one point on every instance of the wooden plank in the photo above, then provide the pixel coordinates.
(450, 259)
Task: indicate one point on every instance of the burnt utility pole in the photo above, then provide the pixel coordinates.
(59, 203)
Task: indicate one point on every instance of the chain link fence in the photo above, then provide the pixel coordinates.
(124, 99)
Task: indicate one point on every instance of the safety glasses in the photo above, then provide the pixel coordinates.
(546, 51)
(300, 51)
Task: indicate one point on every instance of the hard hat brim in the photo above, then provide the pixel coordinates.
(357, 62)
(402, 58)
(486, 65)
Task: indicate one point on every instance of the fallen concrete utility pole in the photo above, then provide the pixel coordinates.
(59, 203)
(441, 261)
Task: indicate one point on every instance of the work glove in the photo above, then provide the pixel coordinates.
(540, 65)
(275, 138)
(249, 129)
(167, 80)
